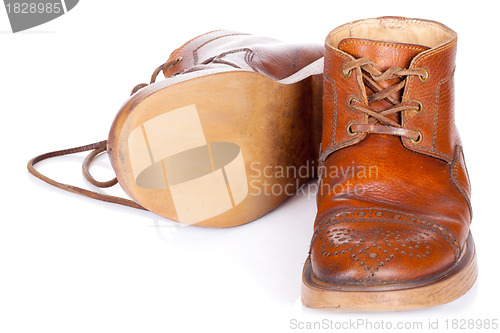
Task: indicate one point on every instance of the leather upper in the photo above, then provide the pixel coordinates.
(223, 48)
(390, 210)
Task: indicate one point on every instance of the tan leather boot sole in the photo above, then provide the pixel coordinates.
(232, 131)
(442, 289)
(217, 150)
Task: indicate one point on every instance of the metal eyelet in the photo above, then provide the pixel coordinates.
(426, 76)
(420, 106)
(351, 99)
(347, 74)
(348, 129)
(419, 139)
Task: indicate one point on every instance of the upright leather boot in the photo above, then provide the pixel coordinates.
(392, 228)
(229, 135)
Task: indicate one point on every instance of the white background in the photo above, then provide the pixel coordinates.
(71, 264)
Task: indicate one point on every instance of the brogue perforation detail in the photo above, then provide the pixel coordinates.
(387, 216)
(375, 250)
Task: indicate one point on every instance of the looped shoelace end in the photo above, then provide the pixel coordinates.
(162, 68)
(86, 168)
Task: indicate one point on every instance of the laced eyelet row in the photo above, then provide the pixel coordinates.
(416, 141)
(371, 75)
(419, 110)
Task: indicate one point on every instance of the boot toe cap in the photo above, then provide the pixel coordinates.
(379, 248)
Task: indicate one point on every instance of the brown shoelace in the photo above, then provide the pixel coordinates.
(162, 68)
(98, 146)
(96, 149)
(88, 160)
(378, 121)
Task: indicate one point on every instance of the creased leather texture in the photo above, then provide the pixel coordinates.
(390, 211)
(267, 56)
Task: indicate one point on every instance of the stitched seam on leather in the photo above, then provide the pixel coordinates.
(405, 20)
(189, 41)
(332, 148)
(195, 51)
(441, 48)
(465, 167)
(422, 58)
(456, 250)
(453, 175)
(444, 232)
(436, 110)
(349, 26)
(448, 158)
(419, 48)
(335, 108)
(433, 153)
(320, 224)
(387, 220)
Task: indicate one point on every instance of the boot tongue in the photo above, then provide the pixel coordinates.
(384, 55)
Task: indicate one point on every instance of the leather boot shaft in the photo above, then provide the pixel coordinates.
(223, 48)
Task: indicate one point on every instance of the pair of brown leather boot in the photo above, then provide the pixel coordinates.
(239, 123)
